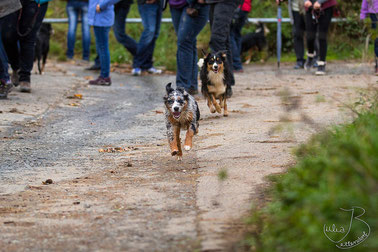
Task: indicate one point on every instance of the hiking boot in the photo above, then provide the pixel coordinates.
(5, 88)
(93, 68)
(228, 92)
(299, 65)
(101, 81)
(136, 71)
(25, 87)
(153, 70)
(310, 61)
(321, 68)
(15, 78)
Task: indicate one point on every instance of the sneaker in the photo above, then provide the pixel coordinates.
(5, 88)
(193, 91)
(101, 81)
(153, 70)
(299, 65)
(228, 92)
(25, 87)
(321, 68)
(136, 71)
(309, 62)
(15, 78)
(93, 68)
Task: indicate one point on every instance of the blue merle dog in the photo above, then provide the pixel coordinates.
(181, 112)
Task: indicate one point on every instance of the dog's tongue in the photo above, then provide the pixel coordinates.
(176, 114)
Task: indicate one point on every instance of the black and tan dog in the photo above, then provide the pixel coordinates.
(215, 74)
(181, 112)
(42, 45)
(254, 41)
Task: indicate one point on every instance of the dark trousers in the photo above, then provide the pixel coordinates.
(322, 25)
(299, 28)
(3, 58)
(374, 21)
(119, 28)
(20, 49)
(239, 20)
(221, 15)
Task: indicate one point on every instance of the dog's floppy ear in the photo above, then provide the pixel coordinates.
(182, 90)
(169, 88)
(223, 54)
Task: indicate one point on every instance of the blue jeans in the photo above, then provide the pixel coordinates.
(102, 47)
(3, 58)
(119, 29)
(235, 38)
(151, 19)
(74, 9)
(187, 29)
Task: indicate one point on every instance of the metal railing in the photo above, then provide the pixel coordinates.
(169, 20)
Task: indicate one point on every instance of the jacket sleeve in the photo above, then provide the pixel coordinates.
(104, 4)
(364, 9)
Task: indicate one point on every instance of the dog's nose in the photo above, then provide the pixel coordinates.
(176, 108)
(215, 66)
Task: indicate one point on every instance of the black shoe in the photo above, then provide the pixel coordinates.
(321, 68)
(5, 88)
(193, 91)
(93, 68)
(228, 92)
(299, 65)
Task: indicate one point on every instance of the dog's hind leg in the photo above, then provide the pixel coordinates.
(210, 105)
(217, 107)
(225, 110)
(221, 101)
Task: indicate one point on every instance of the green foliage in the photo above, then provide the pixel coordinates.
(346, 40)
(335, 169)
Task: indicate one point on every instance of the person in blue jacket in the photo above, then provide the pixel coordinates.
(101, 17)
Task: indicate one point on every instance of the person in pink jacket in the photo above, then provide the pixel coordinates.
(370, 8)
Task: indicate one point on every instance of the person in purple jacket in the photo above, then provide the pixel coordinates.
(101, 17)
(370, 7)
(318, 16)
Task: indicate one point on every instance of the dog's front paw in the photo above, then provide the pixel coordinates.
(219, 109)
(187, 147)
(174, 153)
(212, 110)
(179, 158)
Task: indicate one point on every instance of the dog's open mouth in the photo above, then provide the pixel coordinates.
(176, 115)
(215, 70)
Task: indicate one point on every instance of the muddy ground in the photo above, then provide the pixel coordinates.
(115, 186)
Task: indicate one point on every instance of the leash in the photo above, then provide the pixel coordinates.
(32, 23)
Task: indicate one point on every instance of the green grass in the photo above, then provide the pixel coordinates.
(335, 169)
(346, 41)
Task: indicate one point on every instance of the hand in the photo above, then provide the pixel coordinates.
(317, 5)
(98, 10)
(150, 1)
(308, 4)
(201, 1)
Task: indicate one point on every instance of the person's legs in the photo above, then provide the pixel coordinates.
(3, 58)
(72, 13)
(102, 45)
(85, 30)
(311, 28)
(187, 29)
(119, 29)
(10, 40)
(151, 18)
(27, 44)
(374, 21)
(298, 34)
(324, 22)
(235, 39)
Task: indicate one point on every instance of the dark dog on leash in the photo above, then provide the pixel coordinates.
(254, 40)
(42, 45)
(181, 112)
(215, 74)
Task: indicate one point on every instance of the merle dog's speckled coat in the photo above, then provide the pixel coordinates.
(181, 112)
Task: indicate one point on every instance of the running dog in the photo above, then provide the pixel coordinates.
(215, 74)
(254, 40)
(181, 112)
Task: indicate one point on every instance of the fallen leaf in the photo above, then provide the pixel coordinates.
(158, 112)
(88, 77)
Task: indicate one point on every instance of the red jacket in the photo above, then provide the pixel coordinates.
(246, 6)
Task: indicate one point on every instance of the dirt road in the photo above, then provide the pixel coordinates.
(116, 186)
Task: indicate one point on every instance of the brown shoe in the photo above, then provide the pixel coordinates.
(101, 81)
(25, 87)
